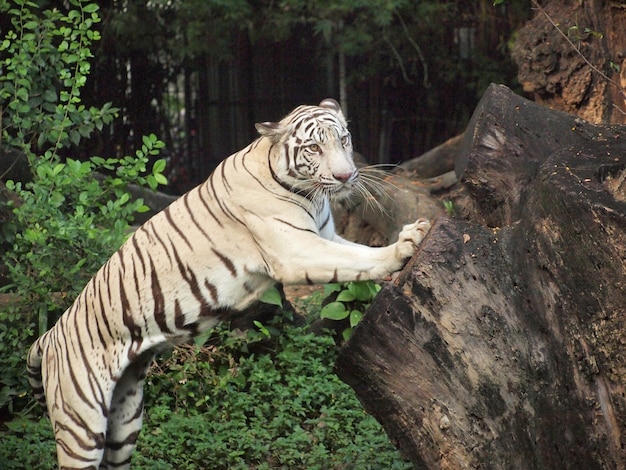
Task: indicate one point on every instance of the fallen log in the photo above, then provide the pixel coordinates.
(502, 343)
(436, 161)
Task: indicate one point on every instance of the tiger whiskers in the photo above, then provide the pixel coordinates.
(372, 186)
(369, 188)
(312, 191)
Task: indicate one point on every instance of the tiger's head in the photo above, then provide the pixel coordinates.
(313, 153)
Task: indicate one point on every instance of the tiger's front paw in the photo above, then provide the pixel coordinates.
(411, 236)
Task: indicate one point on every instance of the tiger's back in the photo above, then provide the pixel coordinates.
(262, 216)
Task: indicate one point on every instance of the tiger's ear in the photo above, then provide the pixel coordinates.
(273, 130)
(332, 105)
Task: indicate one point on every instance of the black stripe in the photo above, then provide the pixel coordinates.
(328, 217)
(226, 261)
(295, 226)
(191, 279)
(212, 290)
(179, 316)
(123, 463)
(139, 253)
(134, 329)
(103, 314)
(227, 186)
(159, 301)
(193, 218)
(130, 440)
(96, 389)
(300, 192)
(215, 196)
(91, 286)
(160, 240)
(232, 216)
(206, 206)
(168, 216)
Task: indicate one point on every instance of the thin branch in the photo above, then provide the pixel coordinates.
(417, 49)
(399, 59)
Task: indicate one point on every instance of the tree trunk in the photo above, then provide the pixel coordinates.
(501, 344)
(556, 67)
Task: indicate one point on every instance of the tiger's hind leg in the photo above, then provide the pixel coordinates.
(77, 402)
(126, 414)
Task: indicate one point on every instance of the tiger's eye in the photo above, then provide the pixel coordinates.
(314, 148)
(345, 140)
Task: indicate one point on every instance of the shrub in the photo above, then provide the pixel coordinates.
(27, 444)
(213, 407)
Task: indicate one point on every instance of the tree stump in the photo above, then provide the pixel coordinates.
(502, 344)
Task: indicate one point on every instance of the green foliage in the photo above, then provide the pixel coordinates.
(213, 407)
(68, 215)
(27, 444)
(449, 207)
(272, 297)
(69, 220)
(16, 333)
(351, 299)
(45, 65)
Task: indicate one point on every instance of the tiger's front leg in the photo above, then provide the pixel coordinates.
(319, 261)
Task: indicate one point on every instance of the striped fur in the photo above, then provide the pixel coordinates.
(262, 216)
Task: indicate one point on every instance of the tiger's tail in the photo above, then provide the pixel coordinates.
(33, 369)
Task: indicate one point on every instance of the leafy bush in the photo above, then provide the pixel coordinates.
(285, 409)
(27, 444)
(347, 302)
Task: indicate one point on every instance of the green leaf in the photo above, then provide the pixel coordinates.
(58, 168)
(346, 334)
(124, 198)
(360, 290)
(262, 328)
(91, 8)
(159, 166)
(160, 179)
(346, 296)
(334, 311)
(355, 317)
(203, 337)
(272, 296)
(330, 288)
(42, 171)
(148, 140)
(31, 25)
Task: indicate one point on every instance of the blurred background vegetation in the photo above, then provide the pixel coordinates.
(199, 73)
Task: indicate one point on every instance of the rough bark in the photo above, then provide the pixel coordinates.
(501, 344)
(557, 72)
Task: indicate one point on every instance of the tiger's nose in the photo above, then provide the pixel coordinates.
(344, 177)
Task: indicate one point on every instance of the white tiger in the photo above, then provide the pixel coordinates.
(262, 216)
